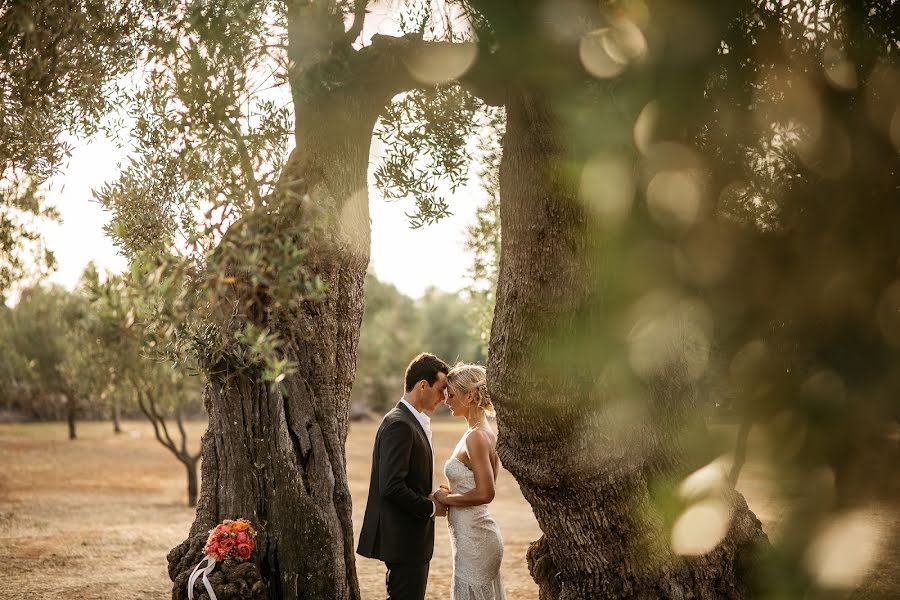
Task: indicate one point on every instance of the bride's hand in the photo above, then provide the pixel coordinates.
(441, 494)
(444, 487)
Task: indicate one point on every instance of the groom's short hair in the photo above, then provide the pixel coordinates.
(425, 366)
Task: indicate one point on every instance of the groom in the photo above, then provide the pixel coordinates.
(399, 524)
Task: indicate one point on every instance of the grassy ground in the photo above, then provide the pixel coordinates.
(94, 518)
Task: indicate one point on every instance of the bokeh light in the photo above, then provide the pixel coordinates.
(701, 527)
(439, 63)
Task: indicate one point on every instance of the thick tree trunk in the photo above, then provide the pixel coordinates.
(588, 478)
(275, 454)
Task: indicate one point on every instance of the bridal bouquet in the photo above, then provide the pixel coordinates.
(232, 539)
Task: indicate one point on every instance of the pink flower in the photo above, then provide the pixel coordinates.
(242, 537)
(226, 545)
(243, 551)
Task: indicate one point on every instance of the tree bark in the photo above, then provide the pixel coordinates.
(71, 413)
(192, 481)
(116, 416)
(276, 453)
(589, 482)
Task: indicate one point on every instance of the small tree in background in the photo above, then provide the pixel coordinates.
(41, 334)
(161, 391)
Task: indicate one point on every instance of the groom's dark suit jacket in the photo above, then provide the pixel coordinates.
(398, 526)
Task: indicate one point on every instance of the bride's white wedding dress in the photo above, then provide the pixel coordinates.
(475, 542)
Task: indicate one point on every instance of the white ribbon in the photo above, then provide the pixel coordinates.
(197, 572)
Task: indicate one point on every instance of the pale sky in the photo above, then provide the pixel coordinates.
(413, 260)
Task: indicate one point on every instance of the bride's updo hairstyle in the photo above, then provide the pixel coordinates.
(465, 378)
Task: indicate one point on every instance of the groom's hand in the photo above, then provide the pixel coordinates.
(440, 510)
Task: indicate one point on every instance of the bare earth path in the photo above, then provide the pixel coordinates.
(94, 518)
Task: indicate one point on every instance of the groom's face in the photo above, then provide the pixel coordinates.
(434, 395)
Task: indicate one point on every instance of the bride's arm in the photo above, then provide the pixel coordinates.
(478, 447)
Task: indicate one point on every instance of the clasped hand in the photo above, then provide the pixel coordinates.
(439, 496)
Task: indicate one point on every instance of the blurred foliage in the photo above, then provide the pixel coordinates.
(35, 336)
(395, 328)
(483, 236)
(738, 168)
(85, 344)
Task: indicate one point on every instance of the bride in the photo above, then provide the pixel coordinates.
(472, 471)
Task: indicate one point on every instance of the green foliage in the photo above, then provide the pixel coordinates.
(47, 359)
(427, 135)
(483, 236)
(39, 328)
(59, 67)
(395, 328)
(214, 246)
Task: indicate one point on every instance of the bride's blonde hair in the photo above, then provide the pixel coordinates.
(465, 378)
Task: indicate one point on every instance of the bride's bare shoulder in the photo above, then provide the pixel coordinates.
(480, 440)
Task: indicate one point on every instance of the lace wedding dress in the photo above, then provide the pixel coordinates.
(475, 542)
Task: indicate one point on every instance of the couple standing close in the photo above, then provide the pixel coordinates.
(398, 527)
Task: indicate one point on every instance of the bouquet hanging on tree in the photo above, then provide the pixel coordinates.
(232, 539)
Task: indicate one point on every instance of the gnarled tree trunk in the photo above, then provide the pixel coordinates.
(589, 482)
(275, 454)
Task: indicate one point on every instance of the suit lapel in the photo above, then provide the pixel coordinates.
(406, 411)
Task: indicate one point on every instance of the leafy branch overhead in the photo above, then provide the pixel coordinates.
(61, 64)
(427, 134)
(212, 242)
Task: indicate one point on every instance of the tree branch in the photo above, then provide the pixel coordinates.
(152, 419)
(180, 421)
(359, 17)
(231, 130)
(383, 64)
(162, 422)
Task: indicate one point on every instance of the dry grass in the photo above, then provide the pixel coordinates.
(94, 518)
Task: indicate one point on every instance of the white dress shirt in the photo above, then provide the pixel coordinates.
(425, 421)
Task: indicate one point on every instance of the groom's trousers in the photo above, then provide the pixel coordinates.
(406, 581)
